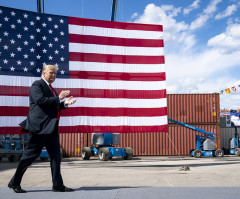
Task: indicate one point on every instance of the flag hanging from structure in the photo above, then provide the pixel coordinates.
(115, 70)
(234, 88)
(228, 90)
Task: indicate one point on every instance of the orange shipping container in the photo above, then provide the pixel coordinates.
(194, 108)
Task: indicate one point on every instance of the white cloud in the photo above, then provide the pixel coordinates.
(162, 15)
(134, 15)
(174, 32)
(199, 22)
(229, 101)
(193, 6)
(207, 13)
(212, 7)
(227, 42)
(228, 12)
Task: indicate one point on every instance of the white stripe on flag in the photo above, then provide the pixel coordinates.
(115, 67)
(85, 83)
(11, 121)
(115, 50)
(110, 32)
(93, 102)
(112, 121)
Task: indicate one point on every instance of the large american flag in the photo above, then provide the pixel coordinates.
(115, 70)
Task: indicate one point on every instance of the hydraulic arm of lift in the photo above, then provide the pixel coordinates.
(206, 134)
(200, 139)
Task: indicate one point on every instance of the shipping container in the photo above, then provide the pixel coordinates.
(194, 108)
(200, 110)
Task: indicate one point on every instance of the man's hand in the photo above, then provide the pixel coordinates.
(70, 101)
(64, 94)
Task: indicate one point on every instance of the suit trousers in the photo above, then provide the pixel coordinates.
(34, 149)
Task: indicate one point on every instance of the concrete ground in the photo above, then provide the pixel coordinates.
(141, 177)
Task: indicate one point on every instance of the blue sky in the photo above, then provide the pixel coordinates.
(202, 40)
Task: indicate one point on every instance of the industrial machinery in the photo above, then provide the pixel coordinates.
(234, 144)
(205, 144)
(103, 146)
(12, 147)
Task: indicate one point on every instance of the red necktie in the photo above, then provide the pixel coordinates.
(58, 116)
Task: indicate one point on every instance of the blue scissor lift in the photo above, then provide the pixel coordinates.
(103, 147)
(205, 144)
(12, 147)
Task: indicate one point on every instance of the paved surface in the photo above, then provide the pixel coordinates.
(142, 177)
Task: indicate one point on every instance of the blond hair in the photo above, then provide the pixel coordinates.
(49, 67)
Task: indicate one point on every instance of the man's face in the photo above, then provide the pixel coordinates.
(50, 75)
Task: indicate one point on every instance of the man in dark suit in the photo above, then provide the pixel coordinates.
(42, 125)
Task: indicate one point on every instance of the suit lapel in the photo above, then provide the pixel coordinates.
(47, 89)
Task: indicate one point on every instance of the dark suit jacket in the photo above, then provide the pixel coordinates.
(43, 110)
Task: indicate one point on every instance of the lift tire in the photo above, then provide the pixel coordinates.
(13, 158)
(129, 153)
(86, 153)
(103, 154)
(190, 153)
(237, 152)
(219, 153)
(197, 153)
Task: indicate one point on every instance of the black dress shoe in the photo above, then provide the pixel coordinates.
(16, 188)
(62, 189)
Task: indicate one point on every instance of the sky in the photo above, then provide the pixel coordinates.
(201, 38)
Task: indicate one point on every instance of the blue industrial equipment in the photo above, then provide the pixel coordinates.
(205, 144)
(13, 147)
(103, 146)
(234, 145)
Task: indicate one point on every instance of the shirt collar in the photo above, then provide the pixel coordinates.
(46, 81)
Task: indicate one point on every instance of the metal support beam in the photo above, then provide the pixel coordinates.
(40, 6)
(43, 5)
(114, 10)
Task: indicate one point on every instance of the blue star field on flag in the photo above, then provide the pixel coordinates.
(29, 40)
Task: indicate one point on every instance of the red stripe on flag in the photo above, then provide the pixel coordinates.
(95, 129)
(93, 111)
(11, 130)
(14, 111)
(115, 25)
(113, 129)
(14, 90)
(114, 112)
(106, 58)
(114, 41)
(117, 76)
(104, 93)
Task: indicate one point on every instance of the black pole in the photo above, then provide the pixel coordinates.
(114, 10)
(37, 5)
(40, 9)
(40, 5)
(43, 5)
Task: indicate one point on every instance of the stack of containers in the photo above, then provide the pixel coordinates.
(200, 110)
